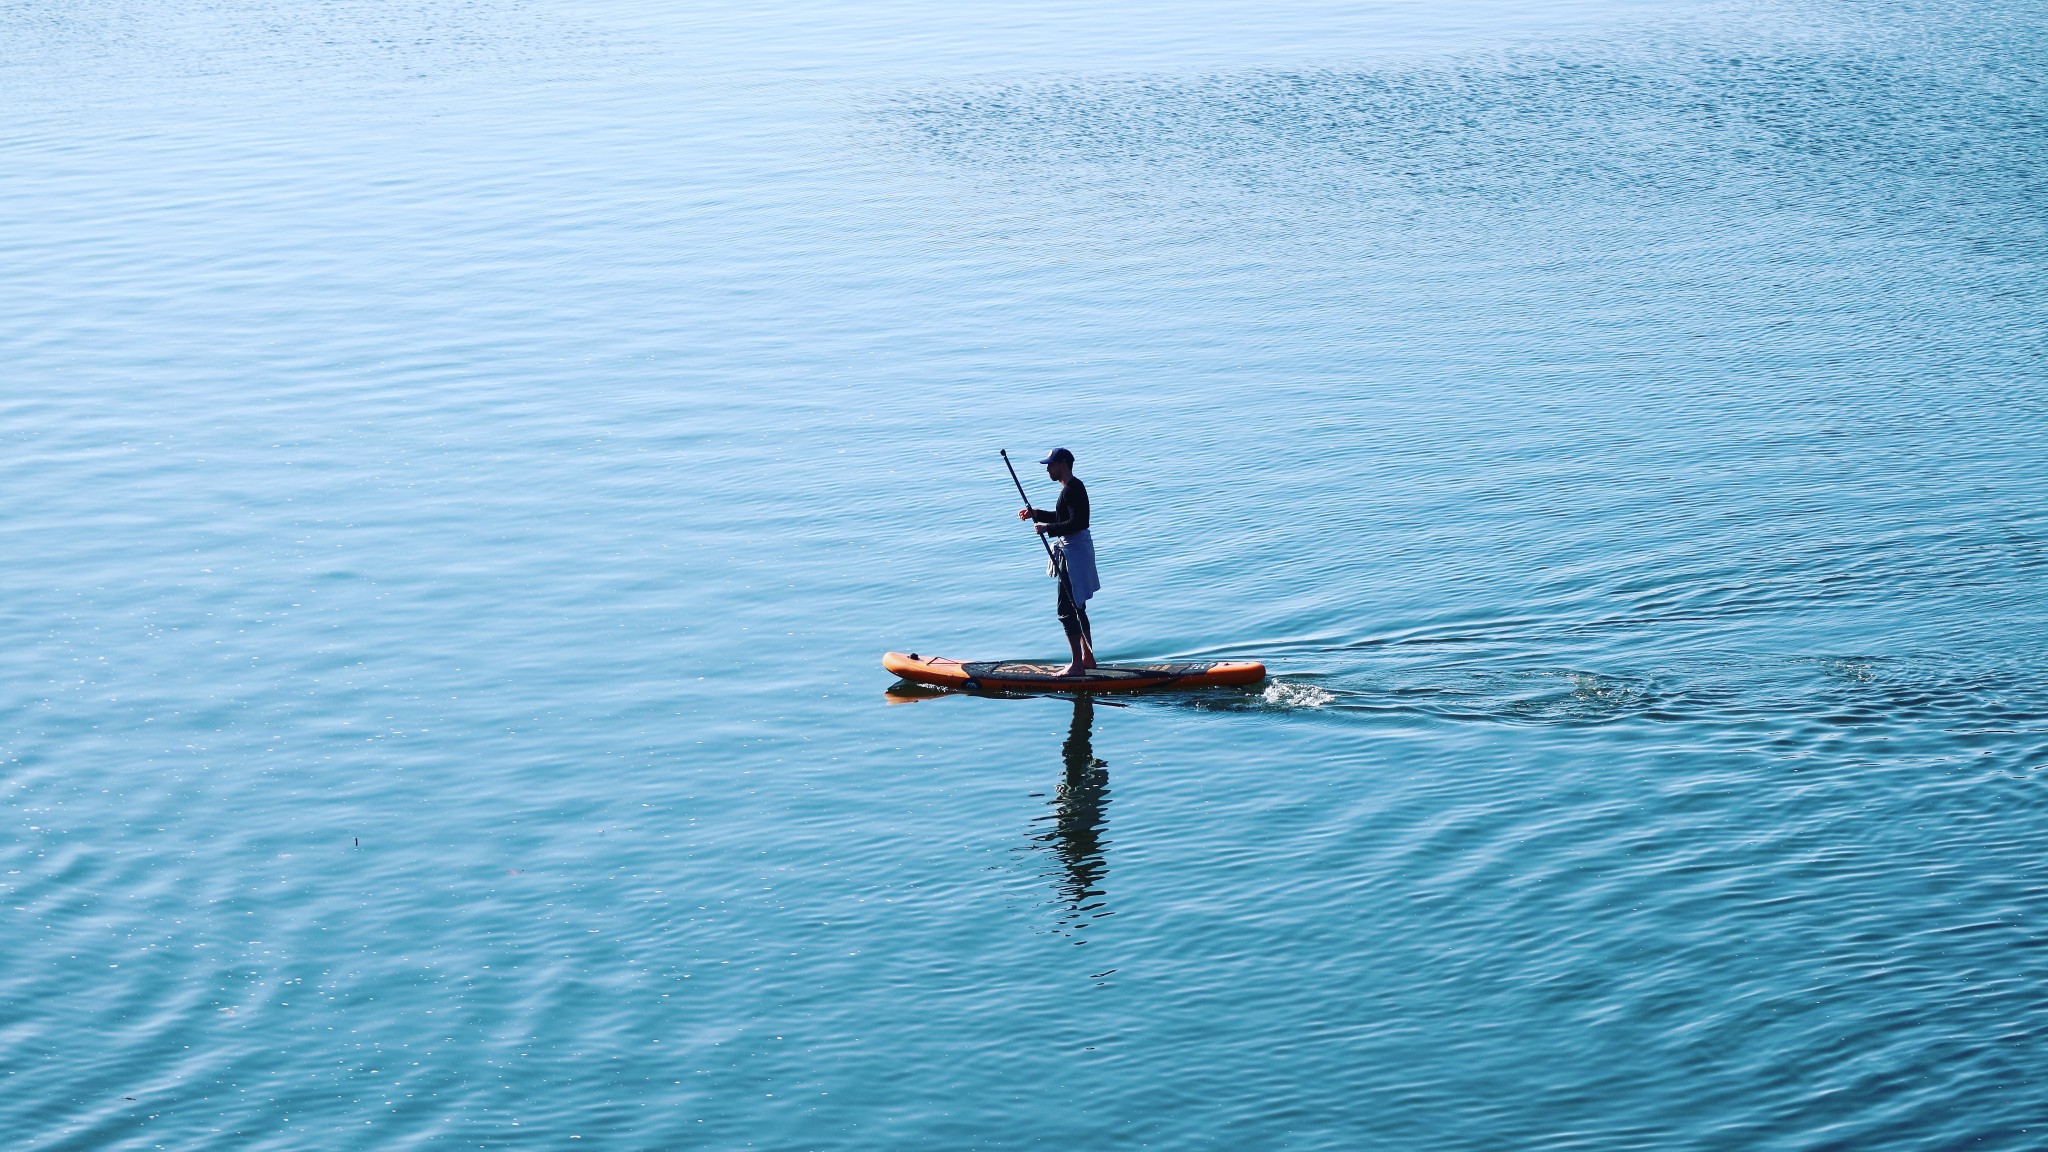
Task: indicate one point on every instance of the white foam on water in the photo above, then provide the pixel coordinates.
(1282, 694)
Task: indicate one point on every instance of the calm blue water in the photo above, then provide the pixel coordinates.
(464, 460)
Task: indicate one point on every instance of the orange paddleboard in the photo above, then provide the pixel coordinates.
(1017, 676)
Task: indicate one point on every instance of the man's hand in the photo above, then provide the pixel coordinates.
(1023, 513)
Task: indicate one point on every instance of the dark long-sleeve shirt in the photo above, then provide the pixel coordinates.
(1070, 515)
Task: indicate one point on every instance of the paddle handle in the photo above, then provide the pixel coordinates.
(1027, 499)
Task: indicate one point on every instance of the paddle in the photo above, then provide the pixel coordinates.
(1027, 500)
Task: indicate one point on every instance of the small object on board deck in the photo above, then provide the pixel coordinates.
(1019, 676)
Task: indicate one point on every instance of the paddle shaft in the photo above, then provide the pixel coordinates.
(1043, 542)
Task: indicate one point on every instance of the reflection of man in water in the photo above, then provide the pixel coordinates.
(1076, 833)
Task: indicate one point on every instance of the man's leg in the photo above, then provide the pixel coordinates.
(1078, 653)
(1075, 624)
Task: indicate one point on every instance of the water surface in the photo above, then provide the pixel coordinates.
(464, 461)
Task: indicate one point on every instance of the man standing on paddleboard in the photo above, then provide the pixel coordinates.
(1073, 556)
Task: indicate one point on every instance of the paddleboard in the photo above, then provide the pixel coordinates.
(1021, 676)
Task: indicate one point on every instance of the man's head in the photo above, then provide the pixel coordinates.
(1059, 464)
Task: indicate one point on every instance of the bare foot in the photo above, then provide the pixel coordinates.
(1069, 670)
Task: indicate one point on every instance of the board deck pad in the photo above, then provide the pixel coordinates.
(1028, 676)
(1007, 670)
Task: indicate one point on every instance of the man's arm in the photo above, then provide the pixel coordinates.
(1072, 514)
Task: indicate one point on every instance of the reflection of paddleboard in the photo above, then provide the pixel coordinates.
(1017, 676)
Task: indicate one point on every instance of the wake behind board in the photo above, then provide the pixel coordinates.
(1018, 676)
